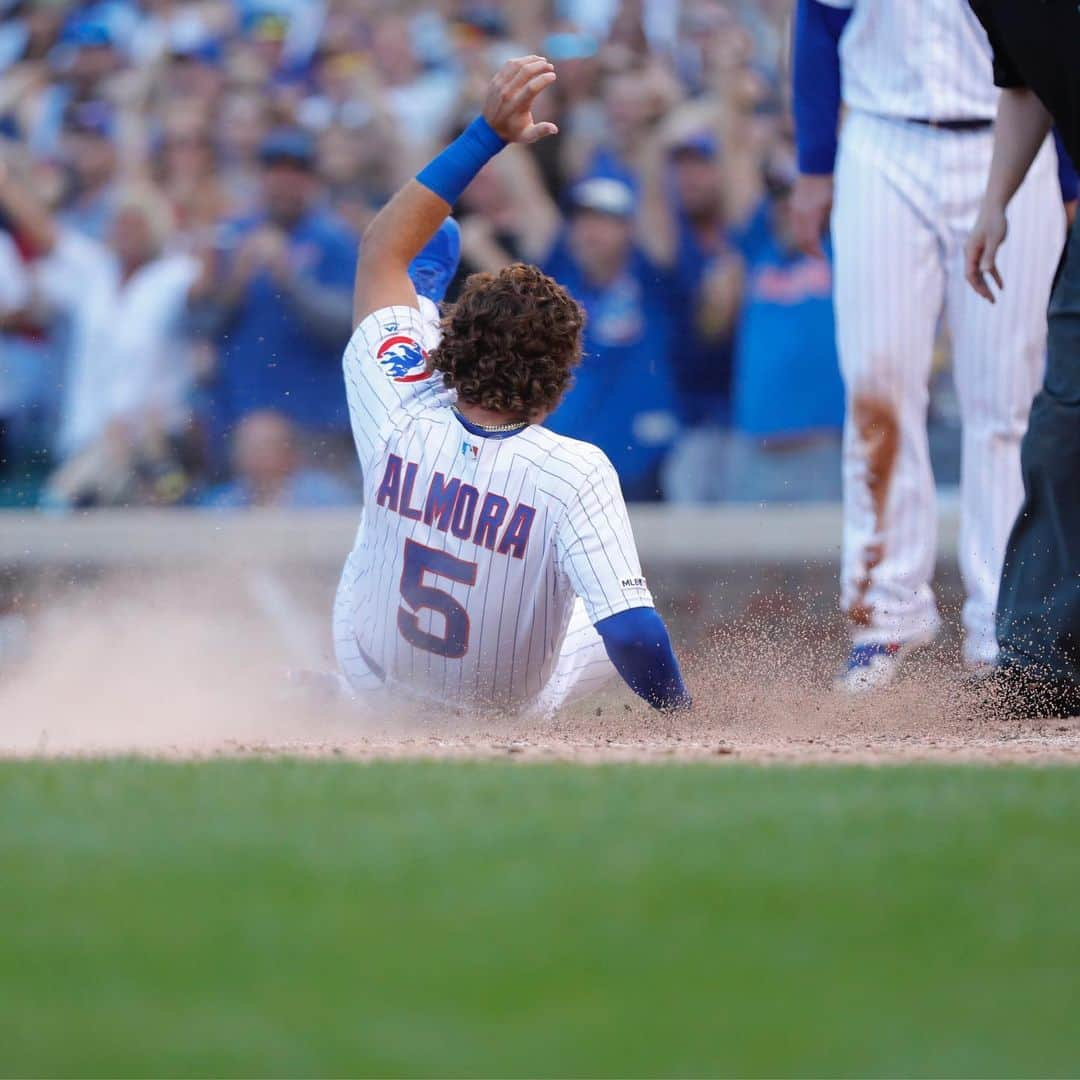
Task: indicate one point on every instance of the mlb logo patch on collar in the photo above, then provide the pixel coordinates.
(403, 359)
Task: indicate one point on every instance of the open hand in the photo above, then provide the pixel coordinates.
(510, 97)
(980, 251)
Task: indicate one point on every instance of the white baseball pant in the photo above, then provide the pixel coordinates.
(582, 667)
(906, 198)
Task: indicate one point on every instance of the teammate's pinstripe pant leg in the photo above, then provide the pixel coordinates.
(906, 197)
(999, 356)
(889, 288)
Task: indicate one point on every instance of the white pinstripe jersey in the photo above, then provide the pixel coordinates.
(925, 59)
(472, 548)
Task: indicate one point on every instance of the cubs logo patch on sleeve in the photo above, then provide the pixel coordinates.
(402, 359)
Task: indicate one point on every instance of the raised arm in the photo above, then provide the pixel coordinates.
(27, 212)
(537, 218)
(656, 225)
(1021, 127)
(403, 227)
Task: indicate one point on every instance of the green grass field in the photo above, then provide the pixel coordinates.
(291, 917)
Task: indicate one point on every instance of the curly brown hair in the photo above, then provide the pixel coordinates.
(511, 342)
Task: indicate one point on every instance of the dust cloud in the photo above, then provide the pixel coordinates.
(197, 668)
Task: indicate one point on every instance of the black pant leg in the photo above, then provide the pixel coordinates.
(1038, 617)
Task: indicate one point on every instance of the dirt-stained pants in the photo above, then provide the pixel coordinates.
(906, 198)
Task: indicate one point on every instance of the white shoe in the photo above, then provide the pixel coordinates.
(874, 666)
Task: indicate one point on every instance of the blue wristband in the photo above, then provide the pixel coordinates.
(449, 174)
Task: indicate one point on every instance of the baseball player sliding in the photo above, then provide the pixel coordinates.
(494, 566)
(915, 147)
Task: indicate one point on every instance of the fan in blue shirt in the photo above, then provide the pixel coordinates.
(623, 398)
(280, 312)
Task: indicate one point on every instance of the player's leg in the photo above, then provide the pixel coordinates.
(888, 293)
(583, 666)
(351, 664)
(999, 355)
(1038, 617)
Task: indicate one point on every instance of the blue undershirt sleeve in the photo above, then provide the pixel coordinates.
(816, 83)
(638, 644)
(1067, 178)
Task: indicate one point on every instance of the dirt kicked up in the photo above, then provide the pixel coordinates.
(165, 675)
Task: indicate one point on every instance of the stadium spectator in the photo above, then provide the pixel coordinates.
(268, 472)
(624, 395)
(239, 131)
(682, 222)
(193, 72)
(88, 150)
(31, 355)
(16, 397)
(126, 385)
(678, 102)
(278, 301)
(788, 397)
(360, 166)
(636, 96)
(188, 172)
(29, 32)
(492, 230)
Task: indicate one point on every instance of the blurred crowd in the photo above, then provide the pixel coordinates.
(183, 184)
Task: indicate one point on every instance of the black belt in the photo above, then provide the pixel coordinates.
(952, 125)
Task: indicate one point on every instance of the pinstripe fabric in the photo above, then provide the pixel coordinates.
(583, 666)
(916, 58)
(906, 197)
(514, 637)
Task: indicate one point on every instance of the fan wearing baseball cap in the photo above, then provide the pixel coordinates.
(279, 295)
(624, 398)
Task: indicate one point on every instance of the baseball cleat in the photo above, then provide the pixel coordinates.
(873, 667)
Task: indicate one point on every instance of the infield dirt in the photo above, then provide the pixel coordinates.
(170, 672)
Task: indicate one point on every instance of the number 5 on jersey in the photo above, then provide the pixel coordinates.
(421, 560)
